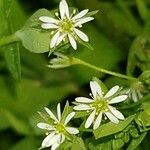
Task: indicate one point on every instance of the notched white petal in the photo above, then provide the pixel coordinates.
(96, 89)
(49, 140)
(83, 100)
(81, 35)
(98, 121)
(72, 41)
(112, 91)
(54, 40)
(49, 26)
(81, 107)
(111, 117)
(45, 126)
(118, 99)
(116, 113)
(51, 114)
(80, 14)
(90, 119)
(66, 8)
(69, 117)
(83, 20)
(59, 112)
(47, 19)
(72, 130)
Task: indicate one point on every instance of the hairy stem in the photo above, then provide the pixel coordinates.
(81, 62)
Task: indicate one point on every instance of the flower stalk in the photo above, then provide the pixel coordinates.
(81, 62)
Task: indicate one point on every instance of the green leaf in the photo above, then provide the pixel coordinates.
(28, 143)
(136, 141)
(12, 56)
(97, 145)
(19, 125)
(111, 128)
(143, 119)
(11, 11)
(117, 144)
(34, 21)
(143, 10)
(34, 40)
(78, 144)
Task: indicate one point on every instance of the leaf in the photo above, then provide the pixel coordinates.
(78, 144)
(111, 128)
(12, 56)
(136, 141)
(19, 125)
(97, 145)
(34, 40)
(117, 144)
(11, 11)
(27, 143)
(34, 21)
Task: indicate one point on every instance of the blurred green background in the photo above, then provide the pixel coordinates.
(120, 36)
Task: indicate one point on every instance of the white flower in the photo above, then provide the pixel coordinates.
(66, 26)
(57, 131)
(99, 105)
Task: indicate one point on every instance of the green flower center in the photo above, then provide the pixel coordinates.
(100, 105)
(60, 128)
(66, 25)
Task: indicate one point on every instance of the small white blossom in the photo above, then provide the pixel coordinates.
(56, 131)
(100, 104)
(66, 25)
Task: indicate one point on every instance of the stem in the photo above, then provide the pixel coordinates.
(8, 39)
(81, 62)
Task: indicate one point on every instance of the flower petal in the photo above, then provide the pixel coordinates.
(83, 20)
(112, 91)
(49, 140)
(81, 35)
(98, 121)
(60, 39)
(72, 130)
(82, 107)
(116, 113)
(55, 146)
(59, 112)
(72, 41)
(51, 114)
(83, 100)
(90, 119)
(118, 99)
(49, 26)
(61, 9)
(96, 89)
(80, 14)
(45, 126)
(111, 117)
(54, 40)
(69, 117)
(47, 19)
(66, 8)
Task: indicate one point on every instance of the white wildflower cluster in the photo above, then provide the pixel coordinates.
(66, 25)
(98, 105)
(57, 131)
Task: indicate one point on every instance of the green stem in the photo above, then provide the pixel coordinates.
(81, 62)
(8, 39)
